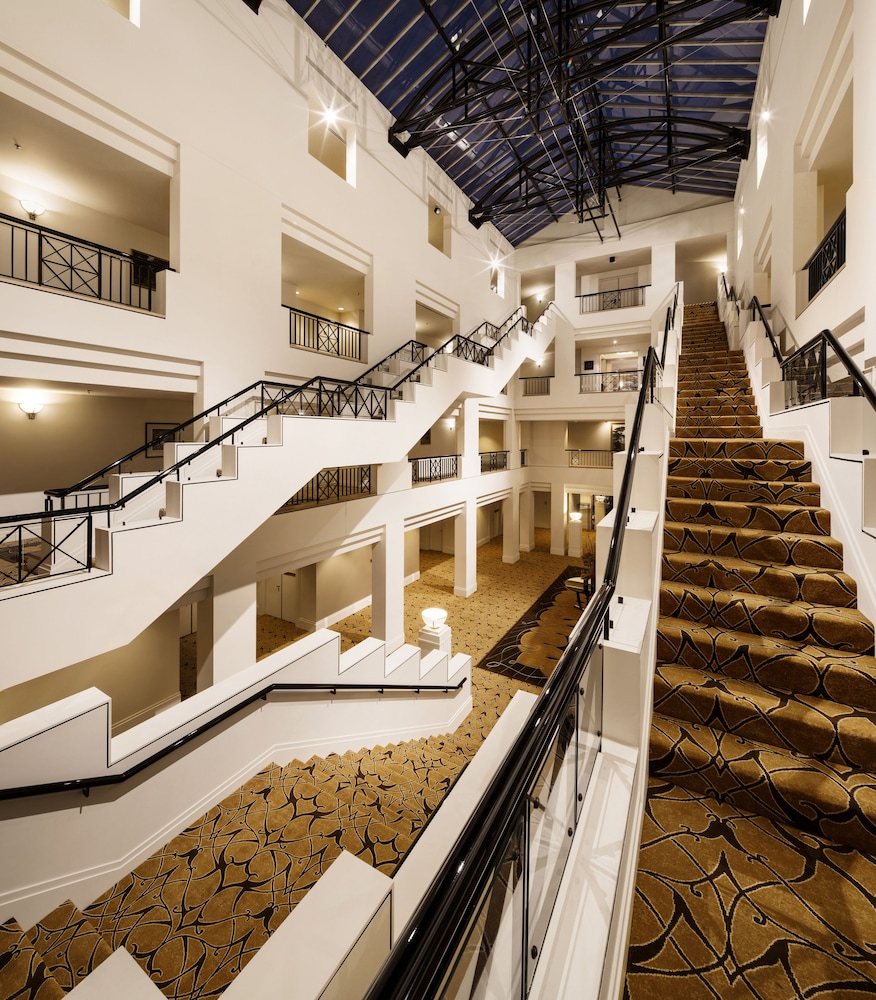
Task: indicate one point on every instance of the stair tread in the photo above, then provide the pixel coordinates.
(23, 973)
(765, 516)
(832, 800)
(827, 625)
(790, 582)
(754, 545)
(801, 723)
(70, 945)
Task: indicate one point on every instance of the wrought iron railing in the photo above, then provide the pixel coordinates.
(668, 326)
(610, 381)
(820, 369)
(316, 333)
(590, 458)
(34, 547)
(434, 468)
(319, 396)
(493, 461)
(829, 256)
(536, 385)
(51, 259)
(618, 298)
(346, 482)
(730, 294)
(522, 458)
(480, 928)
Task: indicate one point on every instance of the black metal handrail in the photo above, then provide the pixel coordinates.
(758, 313)
(326, 336)
(616, 298)
(730, 293)
(418, 964)
(86, 784)
(812, 356)
(828, 257)
(318, 396)
(668, 325)
(53, 259)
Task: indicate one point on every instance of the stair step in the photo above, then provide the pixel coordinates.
(833, 801)
(835, 733)
(726, 393)
(23, 974)
(785, 549)
(745, 490)
(789, 583)
(694, 431)
(777, 664)
(70, 945)
(771, 617)
(713, 408)
(757, 449)
(692, 467)
(762, 517)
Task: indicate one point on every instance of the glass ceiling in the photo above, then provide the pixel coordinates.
(538, 110)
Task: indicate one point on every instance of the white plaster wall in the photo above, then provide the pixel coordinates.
(234, 148)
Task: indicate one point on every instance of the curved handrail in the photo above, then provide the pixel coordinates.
(416, 966)
(86, 784)
(756, 308)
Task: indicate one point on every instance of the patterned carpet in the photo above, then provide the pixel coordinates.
(196, 911)
(756, 870)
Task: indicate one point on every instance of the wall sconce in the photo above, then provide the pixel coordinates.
(434, 617)
(31, 407)
(437, 209)
(575, 516)
(33, 208)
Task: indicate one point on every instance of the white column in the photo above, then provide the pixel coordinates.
(527, 520)
(388, 586)
(468, 438)
(465, 561)
(558, 519)
(204, 654)
(576, 545)
(511, 527)
(234, 615)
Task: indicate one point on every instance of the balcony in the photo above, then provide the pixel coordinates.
(325, 336)
(536, 385)
(590, 458)
(346, 482)
(493, 461)
(609, 381)
(50, 259)
(434, 468)
(618, 298)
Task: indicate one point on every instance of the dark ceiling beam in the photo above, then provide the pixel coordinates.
(253, 5)
(512, 78)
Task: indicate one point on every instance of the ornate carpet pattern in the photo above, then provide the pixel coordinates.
(196, 911)
(530, 649)
(756, 869)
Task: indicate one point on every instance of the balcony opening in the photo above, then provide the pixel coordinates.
(439, 227)
(331, 139)
(325, 302)
(613, 281)
(87, 205)
(537, 291)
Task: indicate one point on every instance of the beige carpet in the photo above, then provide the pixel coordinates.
(199, 909)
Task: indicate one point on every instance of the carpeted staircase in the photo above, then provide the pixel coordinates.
(195, 912)
(764, 730)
